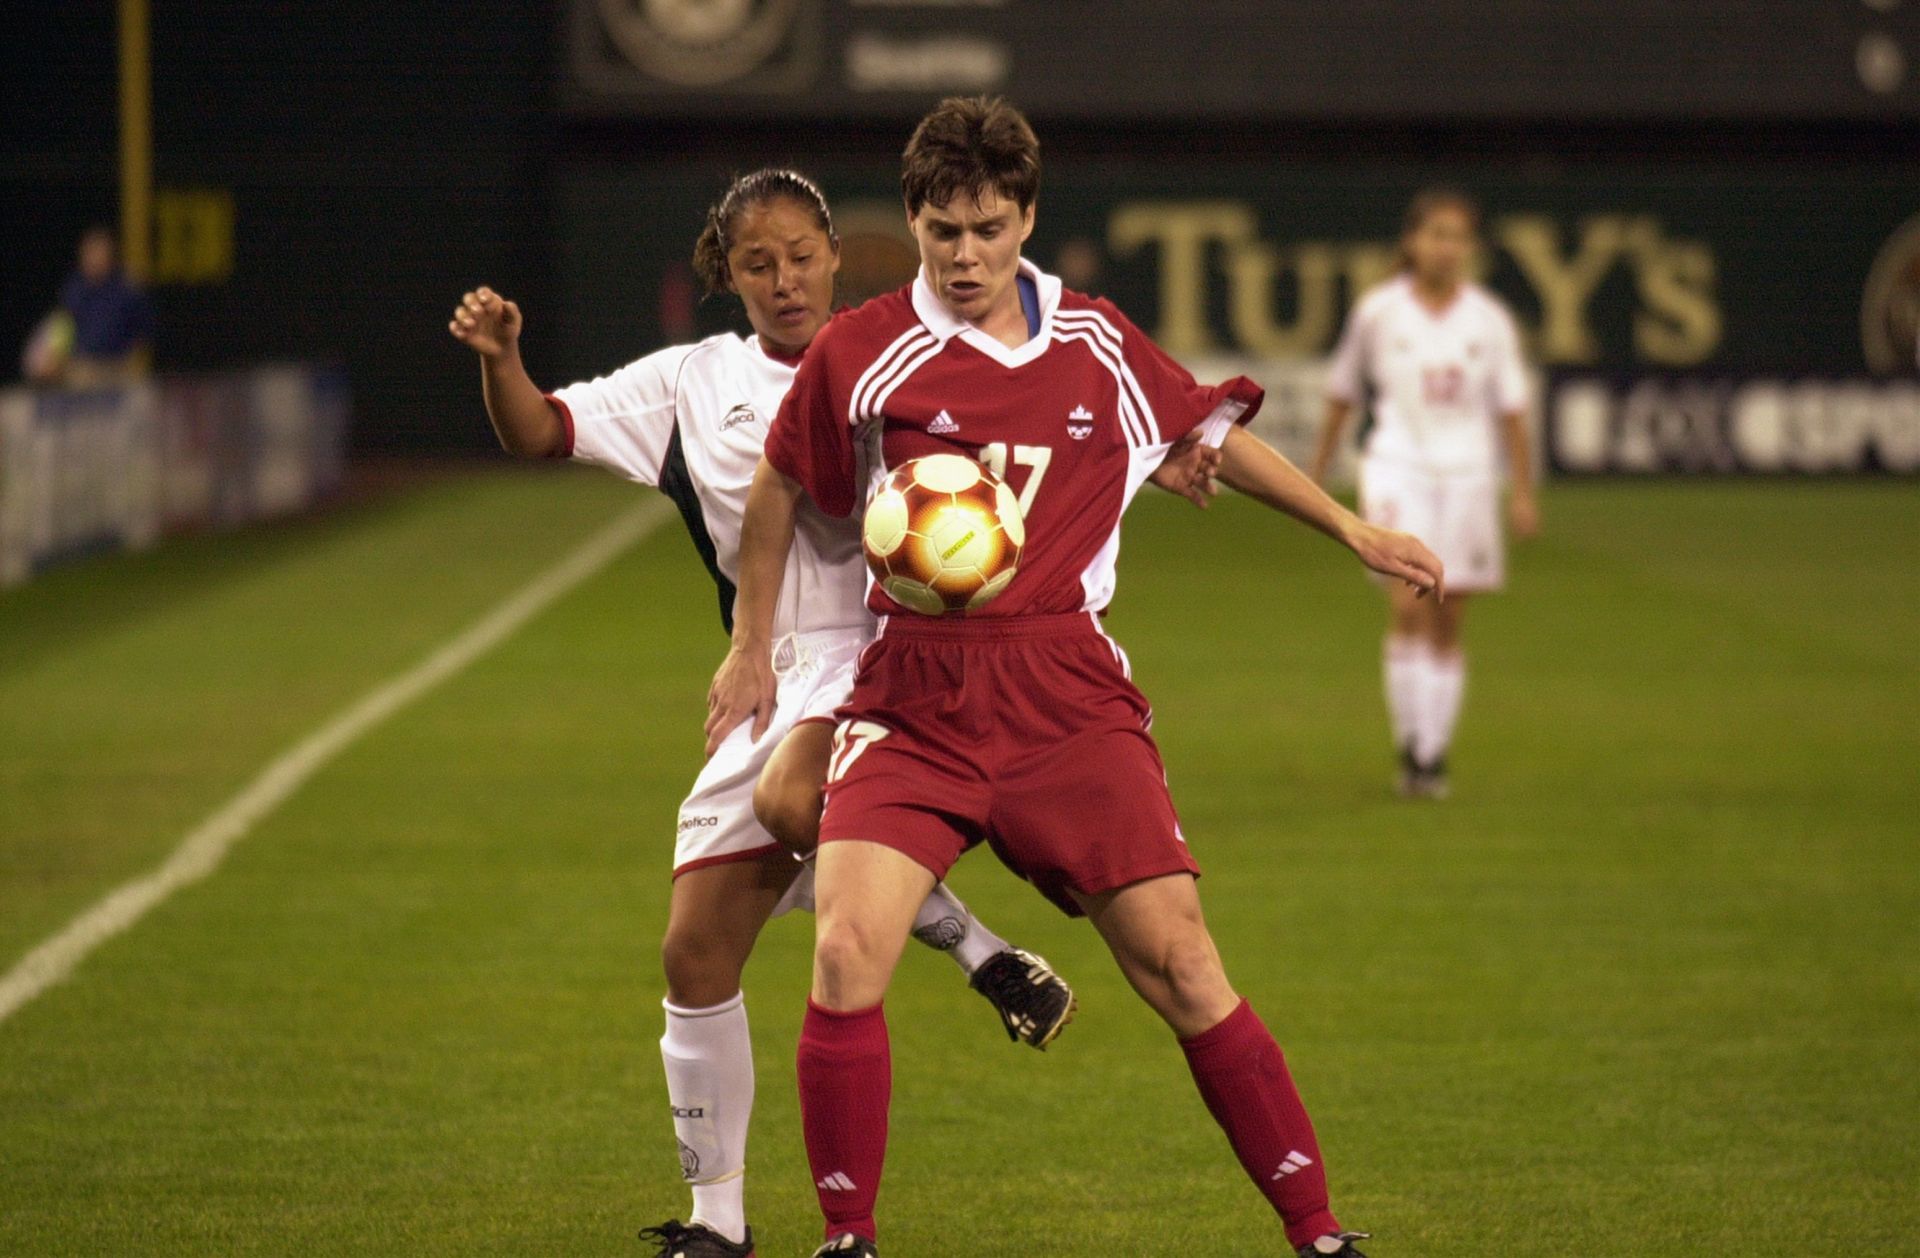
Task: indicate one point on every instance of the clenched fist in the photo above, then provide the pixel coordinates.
(486, 323)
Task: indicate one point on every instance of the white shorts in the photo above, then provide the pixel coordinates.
(717, 824)
(1457, 514)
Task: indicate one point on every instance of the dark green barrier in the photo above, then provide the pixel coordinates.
(1752, 269)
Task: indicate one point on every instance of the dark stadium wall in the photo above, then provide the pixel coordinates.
(331, 176)
(1646, 265)
(57, 174)
(328, 178)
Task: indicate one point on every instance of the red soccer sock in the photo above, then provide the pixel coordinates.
(846, 1083)
(1243, 1079)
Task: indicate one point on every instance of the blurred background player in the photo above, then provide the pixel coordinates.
(102, 332)
(691, 420)
(1438, 357)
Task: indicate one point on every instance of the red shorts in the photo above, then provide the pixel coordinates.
(1024, 732)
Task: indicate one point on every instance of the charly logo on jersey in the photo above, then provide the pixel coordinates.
(1080, 423)
(943, 425)
(741, 414)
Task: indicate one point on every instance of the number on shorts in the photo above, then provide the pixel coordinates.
(1033, 458)
(850, 741)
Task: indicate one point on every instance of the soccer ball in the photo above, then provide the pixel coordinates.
(943, 534)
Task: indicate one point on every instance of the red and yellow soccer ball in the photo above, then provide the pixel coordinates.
(943, 534)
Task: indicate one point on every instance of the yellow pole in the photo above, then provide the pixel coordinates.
(136, 140)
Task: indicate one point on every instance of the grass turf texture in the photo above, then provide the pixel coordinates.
(1647, 984)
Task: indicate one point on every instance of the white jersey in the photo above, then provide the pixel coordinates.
(692, 420)
(1438, 382)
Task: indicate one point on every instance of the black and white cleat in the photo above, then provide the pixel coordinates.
(694, 1240)
(1034, 1003)
(1409, 781)
(1333, 1246)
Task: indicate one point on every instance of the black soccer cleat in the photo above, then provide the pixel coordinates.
(1034, 1003)
(694, 1240)
(1410, 773)
(1333, 1245)
(848, 1245)
(1422, 781)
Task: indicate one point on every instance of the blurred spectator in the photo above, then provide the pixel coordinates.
(103, 330)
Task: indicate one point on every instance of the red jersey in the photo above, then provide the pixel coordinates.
(1074, 420)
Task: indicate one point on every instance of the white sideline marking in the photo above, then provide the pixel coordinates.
(208, 843)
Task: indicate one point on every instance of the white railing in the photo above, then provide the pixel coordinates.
(93, 470)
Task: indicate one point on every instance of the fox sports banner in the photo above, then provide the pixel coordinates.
(1721, 424)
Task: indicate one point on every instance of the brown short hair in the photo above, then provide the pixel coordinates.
(969, 144)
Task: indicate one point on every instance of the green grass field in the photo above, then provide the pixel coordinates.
(1649, 983)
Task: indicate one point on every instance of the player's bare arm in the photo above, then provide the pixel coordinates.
(1332, 428)
(1523, 506)
(1191, 470)
(523, 419)
(745, 685)
(1256, 469)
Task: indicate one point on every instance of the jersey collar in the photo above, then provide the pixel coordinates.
(761, 348)
(1411, 291)
(946, 325)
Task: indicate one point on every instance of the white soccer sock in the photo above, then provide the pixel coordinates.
(1403, 668)
(709, 1059)
(1446, 684)
(946, 925)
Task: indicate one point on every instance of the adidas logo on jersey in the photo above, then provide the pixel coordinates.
(1080, 423)
(943, 424)
(1295, 1161)
(839, 1181)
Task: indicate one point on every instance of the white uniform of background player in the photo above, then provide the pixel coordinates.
(1437, 385)
(1434, 360)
